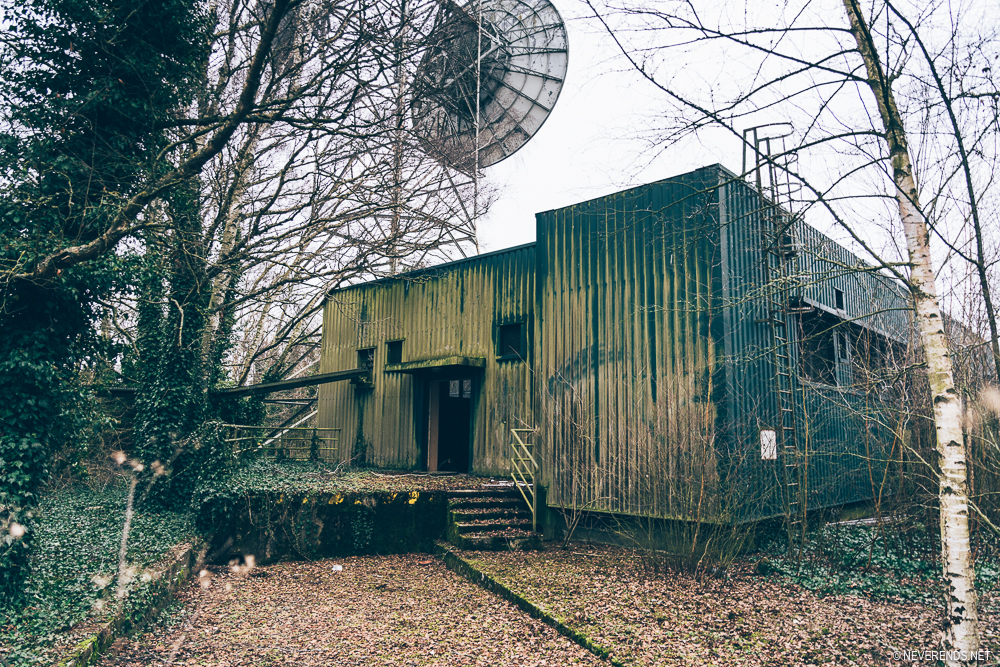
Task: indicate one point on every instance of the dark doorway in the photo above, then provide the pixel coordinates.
(454, 425)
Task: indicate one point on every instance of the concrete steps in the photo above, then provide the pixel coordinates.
(490, 519)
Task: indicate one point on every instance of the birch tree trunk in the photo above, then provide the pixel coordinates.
(961, 637)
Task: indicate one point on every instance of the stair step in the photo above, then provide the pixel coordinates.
(471, 514)
(510, 502)
(490, 527)
(493, 492)
(509, 539)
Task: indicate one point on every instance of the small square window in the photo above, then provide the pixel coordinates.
(768, 445)
(366, 358)
(394, 352)
(510, 340)
(838, 297)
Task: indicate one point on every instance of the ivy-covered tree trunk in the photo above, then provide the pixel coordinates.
(172, 403)
(43, 337)
(90, 83)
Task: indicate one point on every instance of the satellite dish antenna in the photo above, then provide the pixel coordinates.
(488, 80)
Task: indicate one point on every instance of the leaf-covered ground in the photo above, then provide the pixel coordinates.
(307, 477)
(390, 610)
(72, 583)
(741, 619)
(409, 610)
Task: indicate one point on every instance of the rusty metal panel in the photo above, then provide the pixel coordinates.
(448, 311)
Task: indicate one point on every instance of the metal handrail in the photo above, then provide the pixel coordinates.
(290, 440)
(523, 474)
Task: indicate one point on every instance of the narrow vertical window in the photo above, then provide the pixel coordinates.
(467, 388)
(453, 389)
(844, 346)
(394, 352)
(838, 297)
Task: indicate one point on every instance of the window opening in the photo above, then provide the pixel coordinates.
(394, 352)
(467, 388)
(818, 354)
(844, 346)
(453, 389)
(366, 358)
(509, 340)
(838, 297)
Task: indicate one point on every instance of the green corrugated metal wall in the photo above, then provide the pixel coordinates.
(657, 371)
(627, 346)
(843, 431)
(450, 310)
(650, 373)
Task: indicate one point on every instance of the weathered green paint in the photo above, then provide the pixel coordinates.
(448, 317)
(648, 373)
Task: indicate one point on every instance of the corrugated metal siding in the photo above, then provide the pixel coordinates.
(450, 310)
(847, 435)
(627, 345)
(749, 404)
(840, 431)
(871, 299)
(651, 371)
(651, 300)
(847, 430)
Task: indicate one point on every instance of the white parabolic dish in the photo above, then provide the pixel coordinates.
(522, 50)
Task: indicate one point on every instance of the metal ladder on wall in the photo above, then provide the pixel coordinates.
(771, 167)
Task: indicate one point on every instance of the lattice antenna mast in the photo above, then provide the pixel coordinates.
(479, 108)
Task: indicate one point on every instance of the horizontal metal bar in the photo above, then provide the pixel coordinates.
(312, 380)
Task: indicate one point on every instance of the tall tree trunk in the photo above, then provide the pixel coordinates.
(962, 624)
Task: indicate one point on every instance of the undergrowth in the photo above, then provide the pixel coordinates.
(879, 563)
(74, 563)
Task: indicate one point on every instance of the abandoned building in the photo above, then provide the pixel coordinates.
(684, 349)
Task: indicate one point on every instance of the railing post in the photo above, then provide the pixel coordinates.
(534, 491)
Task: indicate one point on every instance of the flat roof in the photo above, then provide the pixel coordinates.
(416, 273)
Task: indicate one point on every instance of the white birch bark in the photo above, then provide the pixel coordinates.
(961, 637)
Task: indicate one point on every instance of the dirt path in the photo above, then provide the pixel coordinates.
(392, 610)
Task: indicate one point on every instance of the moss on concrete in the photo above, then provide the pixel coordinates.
(311, 525)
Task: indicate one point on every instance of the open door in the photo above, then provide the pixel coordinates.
(450, 420)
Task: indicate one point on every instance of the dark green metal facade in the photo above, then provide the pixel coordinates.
(648, 368)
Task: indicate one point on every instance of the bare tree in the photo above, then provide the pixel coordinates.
(797, 64)
(327, 188)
